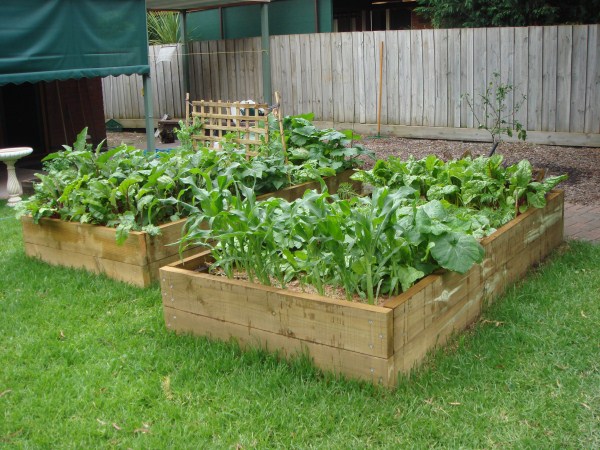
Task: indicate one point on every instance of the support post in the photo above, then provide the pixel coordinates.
(148, 109)
(266, 52)
(185, 59)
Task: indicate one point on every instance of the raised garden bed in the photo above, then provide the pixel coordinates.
(373, 343)
(94, 247)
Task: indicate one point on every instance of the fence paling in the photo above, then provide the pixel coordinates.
(425, 72)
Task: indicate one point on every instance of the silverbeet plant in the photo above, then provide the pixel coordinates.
(482, 184)
(131, 189)
(369, 246)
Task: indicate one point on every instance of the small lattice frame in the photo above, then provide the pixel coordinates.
(243, 120)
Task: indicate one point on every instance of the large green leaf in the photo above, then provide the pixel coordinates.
(457, 251)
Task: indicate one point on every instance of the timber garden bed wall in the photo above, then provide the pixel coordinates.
(94, 247)
(372, 343)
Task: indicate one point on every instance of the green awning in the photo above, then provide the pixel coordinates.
(45, 40)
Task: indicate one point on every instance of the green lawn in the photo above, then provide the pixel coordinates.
(87, 362)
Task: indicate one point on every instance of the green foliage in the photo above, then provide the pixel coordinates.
(515, 13)
(163, 27)
(481, 184)
(131, 189)
(366, 245)
(497, 119)
(325, 148)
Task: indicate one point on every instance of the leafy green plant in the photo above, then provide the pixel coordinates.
(131, 189)
(481, 184)
(497, 119)
(163, 27)
(369, 246)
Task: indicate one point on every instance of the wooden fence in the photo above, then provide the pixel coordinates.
(123, 95)
(425, 74)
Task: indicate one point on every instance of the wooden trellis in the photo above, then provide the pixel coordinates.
(243, 121)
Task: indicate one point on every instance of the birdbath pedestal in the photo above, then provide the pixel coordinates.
(9, 156)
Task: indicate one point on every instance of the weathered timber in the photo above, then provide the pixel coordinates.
(137, 260)
(373, 343)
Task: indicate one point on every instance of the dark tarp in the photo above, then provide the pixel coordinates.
(44, 40)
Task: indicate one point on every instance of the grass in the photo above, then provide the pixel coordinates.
(87, 363)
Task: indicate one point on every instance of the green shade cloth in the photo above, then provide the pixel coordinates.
(46, 40)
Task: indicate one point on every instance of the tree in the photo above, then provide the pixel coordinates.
(497, 13)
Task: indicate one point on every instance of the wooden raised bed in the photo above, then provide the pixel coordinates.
(94, 247)
(373, 343)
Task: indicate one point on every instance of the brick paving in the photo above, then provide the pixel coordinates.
(582, 222)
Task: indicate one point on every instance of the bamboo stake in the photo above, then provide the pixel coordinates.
(187, 109)
(277, 111)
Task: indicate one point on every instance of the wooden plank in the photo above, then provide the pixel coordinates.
(371, 54)
(348, 77)
(337, 77)
(339, 361)
(207, 80)
(578, 78)
(592, 111)
(521, 69)
(550, 44)
(392, 59)
(341, 324)
(223, 69)
(382, 82)
(469, 134)
(404, 78)
(440, 41)
(251, 80)
(326, 75)
(480, 75)
(360, 108)
(507, 61)
(258, 72)
(454, 77)
(466, 76)
(117, 270)
(429, 76)
(240, 70)
(417, 77)
(231, 76)
(306, 73)
(215, 72)
(296, 72)
(196, 67)
(316, 83)
(94, 240)
(492, 61)
(534, 92)
(167, 82)
(289, 104)
(160, 106)
(563, 78)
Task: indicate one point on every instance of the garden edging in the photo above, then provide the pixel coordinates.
(373, 343)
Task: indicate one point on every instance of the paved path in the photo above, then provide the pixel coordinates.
(582, 222)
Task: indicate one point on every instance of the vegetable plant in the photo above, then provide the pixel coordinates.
(369, 246)
(482, 184)
(131, 189)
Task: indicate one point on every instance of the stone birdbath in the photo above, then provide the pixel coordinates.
(9, 156)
